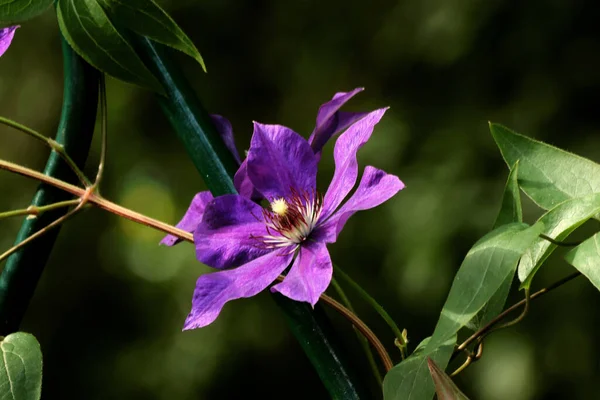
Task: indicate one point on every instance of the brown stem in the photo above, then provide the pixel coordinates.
(512, 308)
(97, 200)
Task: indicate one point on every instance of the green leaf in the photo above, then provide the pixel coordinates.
(444, 387)
(559, 223)
(548, 175)
(23, 269)
(510, 212)
(146, 18)
(411, 379)
(12, 11)
(586, 259)
(92, 35)
(20, 367)
(489, 262)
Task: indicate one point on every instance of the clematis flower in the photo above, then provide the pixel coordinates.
(252, 245)
(6, 37)
(330, 121)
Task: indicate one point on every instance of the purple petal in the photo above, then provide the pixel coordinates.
(243, 184)
(309, 276)
(376, 187)
(227, 235)
(6, 37)
(226, 132)
(214, 290)
(279, 161)
(192, 217)
(346, 165)
(330, 121)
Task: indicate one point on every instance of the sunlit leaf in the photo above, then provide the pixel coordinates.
(510, 212)
(547, 174)
(146, 18)
(12, 11)
(411, 379)
(487, 265)
(20, 367)
(444, 387)
(93, 36)
(559, 222)
(586, 258)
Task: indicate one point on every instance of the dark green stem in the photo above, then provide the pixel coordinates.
(24, 268)
(217, 166)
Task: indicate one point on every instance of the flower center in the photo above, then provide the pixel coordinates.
(290, 221)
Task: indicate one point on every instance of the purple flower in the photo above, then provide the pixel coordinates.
(330, 121)
(252, 245)
(6, 36)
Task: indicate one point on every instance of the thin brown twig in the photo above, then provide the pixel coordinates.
(98, 200)
(512, 308)
(361, 326)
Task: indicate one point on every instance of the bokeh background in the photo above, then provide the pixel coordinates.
(111, 303)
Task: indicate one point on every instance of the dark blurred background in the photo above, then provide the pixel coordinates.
(111, 304)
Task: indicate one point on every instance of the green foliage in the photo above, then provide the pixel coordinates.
(90, 32)
(548, 175)
(12, 11)
(487, 265)
(586, 258)
(411, 378)
(444, 387)
(146, 18)
(559, 222)
(510, 211)
(20, 367)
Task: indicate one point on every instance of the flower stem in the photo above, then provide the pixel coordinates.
(363, 340)
(52, 144)
(98, 200)
(483, 331)
(363, 329)
(402, 343)
(35, 211)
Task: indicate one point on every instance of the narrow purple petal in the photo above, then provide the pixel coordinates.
(346, 165)
(376, 187)
(214, 290)
(192, 217)
(331, 121)
(279, 161)
(226, 132)
(6, 37)
(243, 184)
(226, 237)
(309, 276)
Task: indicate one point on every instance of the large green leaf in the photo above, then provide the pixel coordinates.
(148, 19)
(548, 175)
(411, 379)
(558, 224)
(444, 387)
(12, 11)
(510, 211)
(487, 265)
(586, 258)
(90, 32)
(20, 367)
